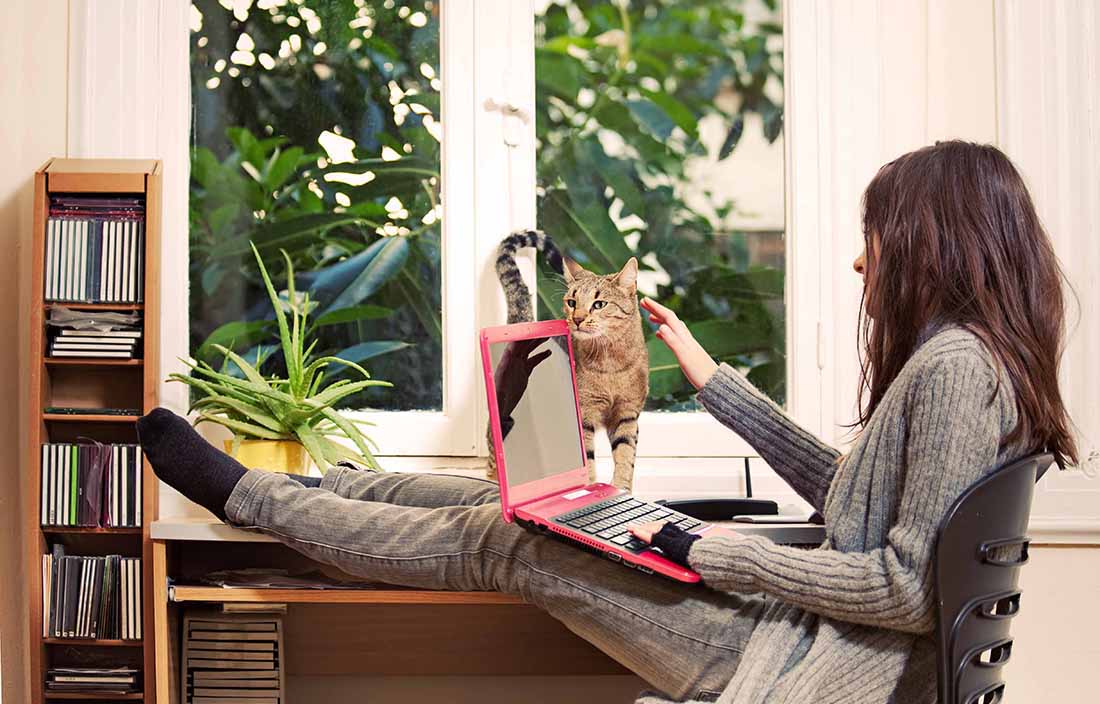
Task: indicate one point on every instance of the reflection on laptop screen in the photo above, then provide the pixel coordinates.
(538, 411)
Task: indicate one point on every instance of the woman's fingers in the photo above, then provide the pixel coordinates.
(657, 312)
(646, 531)
(663, 316)
(668, 336)
(693, 359)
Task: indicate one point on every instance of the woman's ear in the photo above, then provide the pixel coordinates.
(627, 278)
(573, 270)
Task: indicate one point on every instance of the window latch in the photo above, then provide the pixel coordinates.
(515, 119)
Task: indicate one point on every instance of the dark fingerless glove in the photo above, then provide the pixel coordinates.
(674, 542)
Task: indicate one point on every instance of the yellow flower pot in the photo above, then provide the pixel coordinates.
(285, 456)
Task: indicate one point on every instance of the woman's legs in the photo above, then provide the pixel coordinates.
(407, 489)
(682, 639)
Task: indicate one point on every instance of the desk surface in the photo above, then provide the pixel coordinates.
(212, 529)
(384, 630)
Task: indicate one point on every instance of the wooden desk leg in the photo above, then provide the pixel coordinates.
(160, 620)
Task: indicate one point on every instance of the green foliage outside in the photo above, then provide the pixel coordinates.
(620, 98)
(371, 271)
(621, 89)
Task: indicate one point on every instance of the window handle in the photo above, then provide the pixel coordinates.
(515, 119)
(508, 108)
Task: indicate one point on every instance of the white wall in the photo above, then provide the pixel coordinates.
(867, 82)
(1055, 649)
(1049, 123)
(1048, 66)
(33, 50)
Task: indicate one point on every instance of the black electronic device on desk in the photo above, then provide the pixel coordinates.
(724, 509)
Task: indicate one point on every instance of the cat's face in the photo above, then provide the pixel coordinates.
(600, 306)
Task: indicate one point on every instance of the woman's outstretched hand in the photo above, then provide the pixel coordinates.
(697, 364)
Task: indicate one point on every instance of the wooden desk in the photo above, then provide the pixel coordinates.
(388, 631)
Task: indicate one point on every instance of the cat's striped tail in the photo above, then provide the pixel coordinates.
(516, 292)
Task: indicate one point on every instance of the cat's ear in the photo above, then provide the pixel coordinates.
(627, 278)
(573, 270)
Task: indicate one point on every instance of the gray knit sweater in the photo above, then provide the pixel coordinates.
(852, 621)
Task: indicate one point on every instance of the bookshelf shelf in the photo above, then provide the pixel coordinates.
(98, 530)
(90, 696)
(65, 215)
(81, 418)
(99, 306)
(91, 362)
(101, 642)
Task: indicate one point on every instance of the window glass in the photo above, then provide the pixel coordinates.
(316, 131)
(660, 135)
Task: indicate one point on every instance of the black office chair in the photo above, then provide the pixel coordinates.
(980, 547)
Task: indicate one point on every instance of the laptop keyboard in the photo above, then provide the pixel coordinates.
(610, 519)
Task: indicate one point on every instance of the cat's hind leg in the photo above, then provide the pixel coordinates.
(491, 461)
(623, 434)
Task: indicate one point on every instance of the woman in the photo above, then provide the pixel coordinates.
(963, 333)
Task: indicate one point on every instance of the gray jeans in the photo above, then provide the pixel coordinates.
(445, 532)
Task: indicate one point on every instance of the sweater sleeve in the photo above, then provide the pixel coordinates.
(796, 455)
(953, 433)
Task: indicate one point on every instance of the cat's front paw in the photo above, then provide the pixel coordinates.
(623, 479)
(625, 485)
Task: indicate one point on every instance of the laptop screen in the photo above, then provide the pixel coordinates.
(537, 406)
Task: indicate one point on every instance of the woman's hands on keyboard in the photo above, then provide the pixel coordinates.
(673, 542)
(646, 531)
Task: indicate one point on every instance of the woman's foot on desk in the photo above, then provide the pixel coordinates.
(184, 460)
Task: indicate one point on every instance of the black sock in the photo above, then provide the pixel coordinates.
(184, 460)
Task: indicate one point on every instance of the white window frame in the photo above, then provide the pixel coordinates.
(130, 60)
(699, 435)
(129, 97)
(109, 70)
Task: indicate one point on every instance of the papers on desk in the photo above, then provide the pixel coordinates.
(232, 659)
(775, 518)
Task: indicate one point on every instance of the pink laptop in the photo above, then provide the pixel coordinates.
(540, 454)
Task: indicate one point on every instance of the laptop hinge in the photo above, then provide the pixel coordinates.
(557, 492)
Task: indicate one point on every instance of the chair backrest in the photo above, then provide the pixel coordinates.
(980, 547)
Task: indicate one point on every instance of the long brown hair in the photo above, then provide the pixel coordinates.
(952, 236)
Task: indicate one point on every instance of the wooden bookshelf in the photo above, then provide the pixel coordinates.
(88, 418)
(101, 642)
(100, 306)
(94, 696)
(88, 530)
(92, 383)
(91, 362)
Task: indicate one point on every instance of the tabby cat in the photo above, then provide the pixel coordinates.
(611, 358)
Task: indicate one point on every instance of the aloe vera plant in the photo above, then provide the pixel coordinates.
(291, 408)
